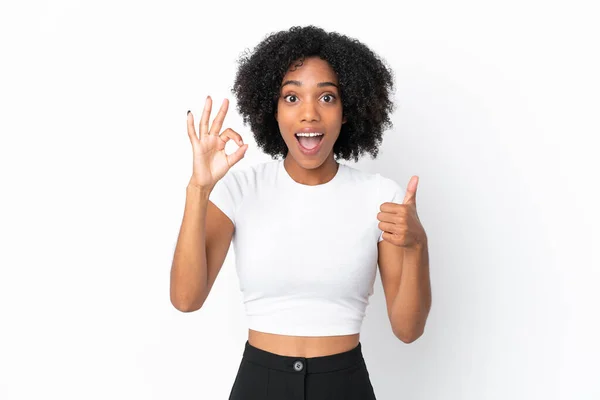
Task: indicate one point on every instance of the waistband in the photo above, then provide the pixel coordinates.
(304, 365)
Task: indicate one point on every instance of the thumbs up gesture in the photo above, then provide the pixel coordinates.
(399, 222)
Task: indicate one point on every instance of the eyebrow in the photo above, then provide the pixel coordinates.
(298, 83)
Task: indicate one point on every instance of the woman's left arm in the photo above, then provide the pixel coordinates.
(412, 303)
(404, 265)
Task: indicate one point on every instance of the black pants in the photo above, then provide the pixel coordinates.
(267, 376)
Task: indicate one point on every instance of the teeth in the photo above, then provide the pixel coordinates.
(309, 134)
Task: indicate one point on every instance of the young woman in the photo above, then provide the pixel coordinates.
(308, 231)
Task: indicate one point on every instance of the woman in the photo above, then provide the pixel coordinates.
(308, 231)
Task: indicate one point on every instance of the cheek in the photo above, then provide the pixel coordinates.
(283, 117)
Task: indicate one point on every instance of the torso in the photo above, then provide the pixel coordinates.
(302, 346)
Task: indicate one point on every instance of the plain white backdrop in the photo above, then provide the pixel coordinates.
(497, 107)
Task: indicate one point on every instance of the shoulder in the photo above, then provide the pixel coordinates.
(389, 190)
(249, 174)
(356, 176)
(387, 184)
(375, 181)
(236, 185)
(243, 178)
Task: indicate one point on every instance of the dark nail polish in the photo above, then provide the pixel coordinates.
(188, 113)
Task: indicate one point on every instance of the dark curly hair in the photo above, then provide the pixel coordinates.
(366, 85)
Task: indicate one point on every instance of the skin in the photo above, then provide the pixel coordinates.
(308, 105)
(299, 106)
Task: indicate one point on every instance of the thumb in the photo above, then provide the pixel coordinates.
(411, 191)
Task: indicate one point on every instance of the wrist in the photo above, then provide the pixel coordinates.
(420, 245)
(198, 190)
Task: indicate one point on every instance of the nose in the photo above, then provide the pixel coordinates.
(309, 112)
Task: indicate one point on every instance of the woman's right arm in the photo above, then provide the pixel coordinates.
(188, 271)
(206, 232)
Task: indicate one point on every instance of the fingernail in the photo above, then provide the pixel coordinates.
(188, 113)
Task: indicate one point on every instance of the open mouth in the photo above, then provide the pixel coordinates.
(309, 142)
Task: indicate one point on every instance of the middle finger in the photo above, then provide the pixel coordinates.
(205, 116)
(218, 121)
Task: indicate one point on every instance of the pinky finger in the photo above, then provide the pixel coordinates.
(190, 127)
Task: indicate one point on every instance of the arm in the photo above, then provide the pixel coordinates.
(412, 302)
(189, 270)
(404, 265)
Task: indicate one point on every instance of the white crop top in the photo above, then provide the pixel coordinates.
(306, 256)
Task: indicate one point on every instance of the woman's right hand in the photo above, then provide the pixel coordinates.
(210, 161)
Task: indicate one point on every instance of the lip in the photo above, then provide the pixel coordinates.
(311, 129)
(309, 152)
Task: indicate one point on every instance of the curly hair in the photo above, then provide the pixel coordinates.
(366, 85)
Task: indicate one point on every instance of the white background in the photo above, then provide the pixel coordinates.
(497, 113)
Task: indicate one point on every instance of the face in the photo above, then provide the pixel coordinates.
(310, 99)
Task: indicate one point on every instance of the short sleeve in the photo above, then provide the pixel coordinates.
(389, 191)
(226, 194)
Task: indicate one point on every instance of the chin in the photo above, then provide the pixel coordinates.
(309, 162)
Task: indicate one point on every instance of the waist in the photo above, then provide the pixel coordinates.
(305, 320)
(308, 363)
(302, 346)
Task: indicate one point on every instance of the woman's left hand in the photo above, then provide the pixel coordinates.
(399, 222)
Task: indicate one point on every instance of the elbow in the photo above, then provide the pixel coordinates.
(186, 306)
(410, 330)
(186, 300)
(186, 309)
(408, 337)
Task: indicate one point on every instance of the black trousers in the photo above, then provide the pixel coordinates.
(267, 376)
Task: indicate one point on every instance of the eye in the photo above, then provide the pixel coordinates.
(332, 97)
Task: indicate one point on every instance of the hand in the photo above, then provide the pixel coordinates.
(399, 222)
(210, 161)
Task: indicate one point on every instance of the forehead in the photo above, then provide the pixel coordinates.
(311, 69)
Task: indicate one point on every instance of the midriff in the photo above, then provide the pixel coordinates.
(302, 346)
